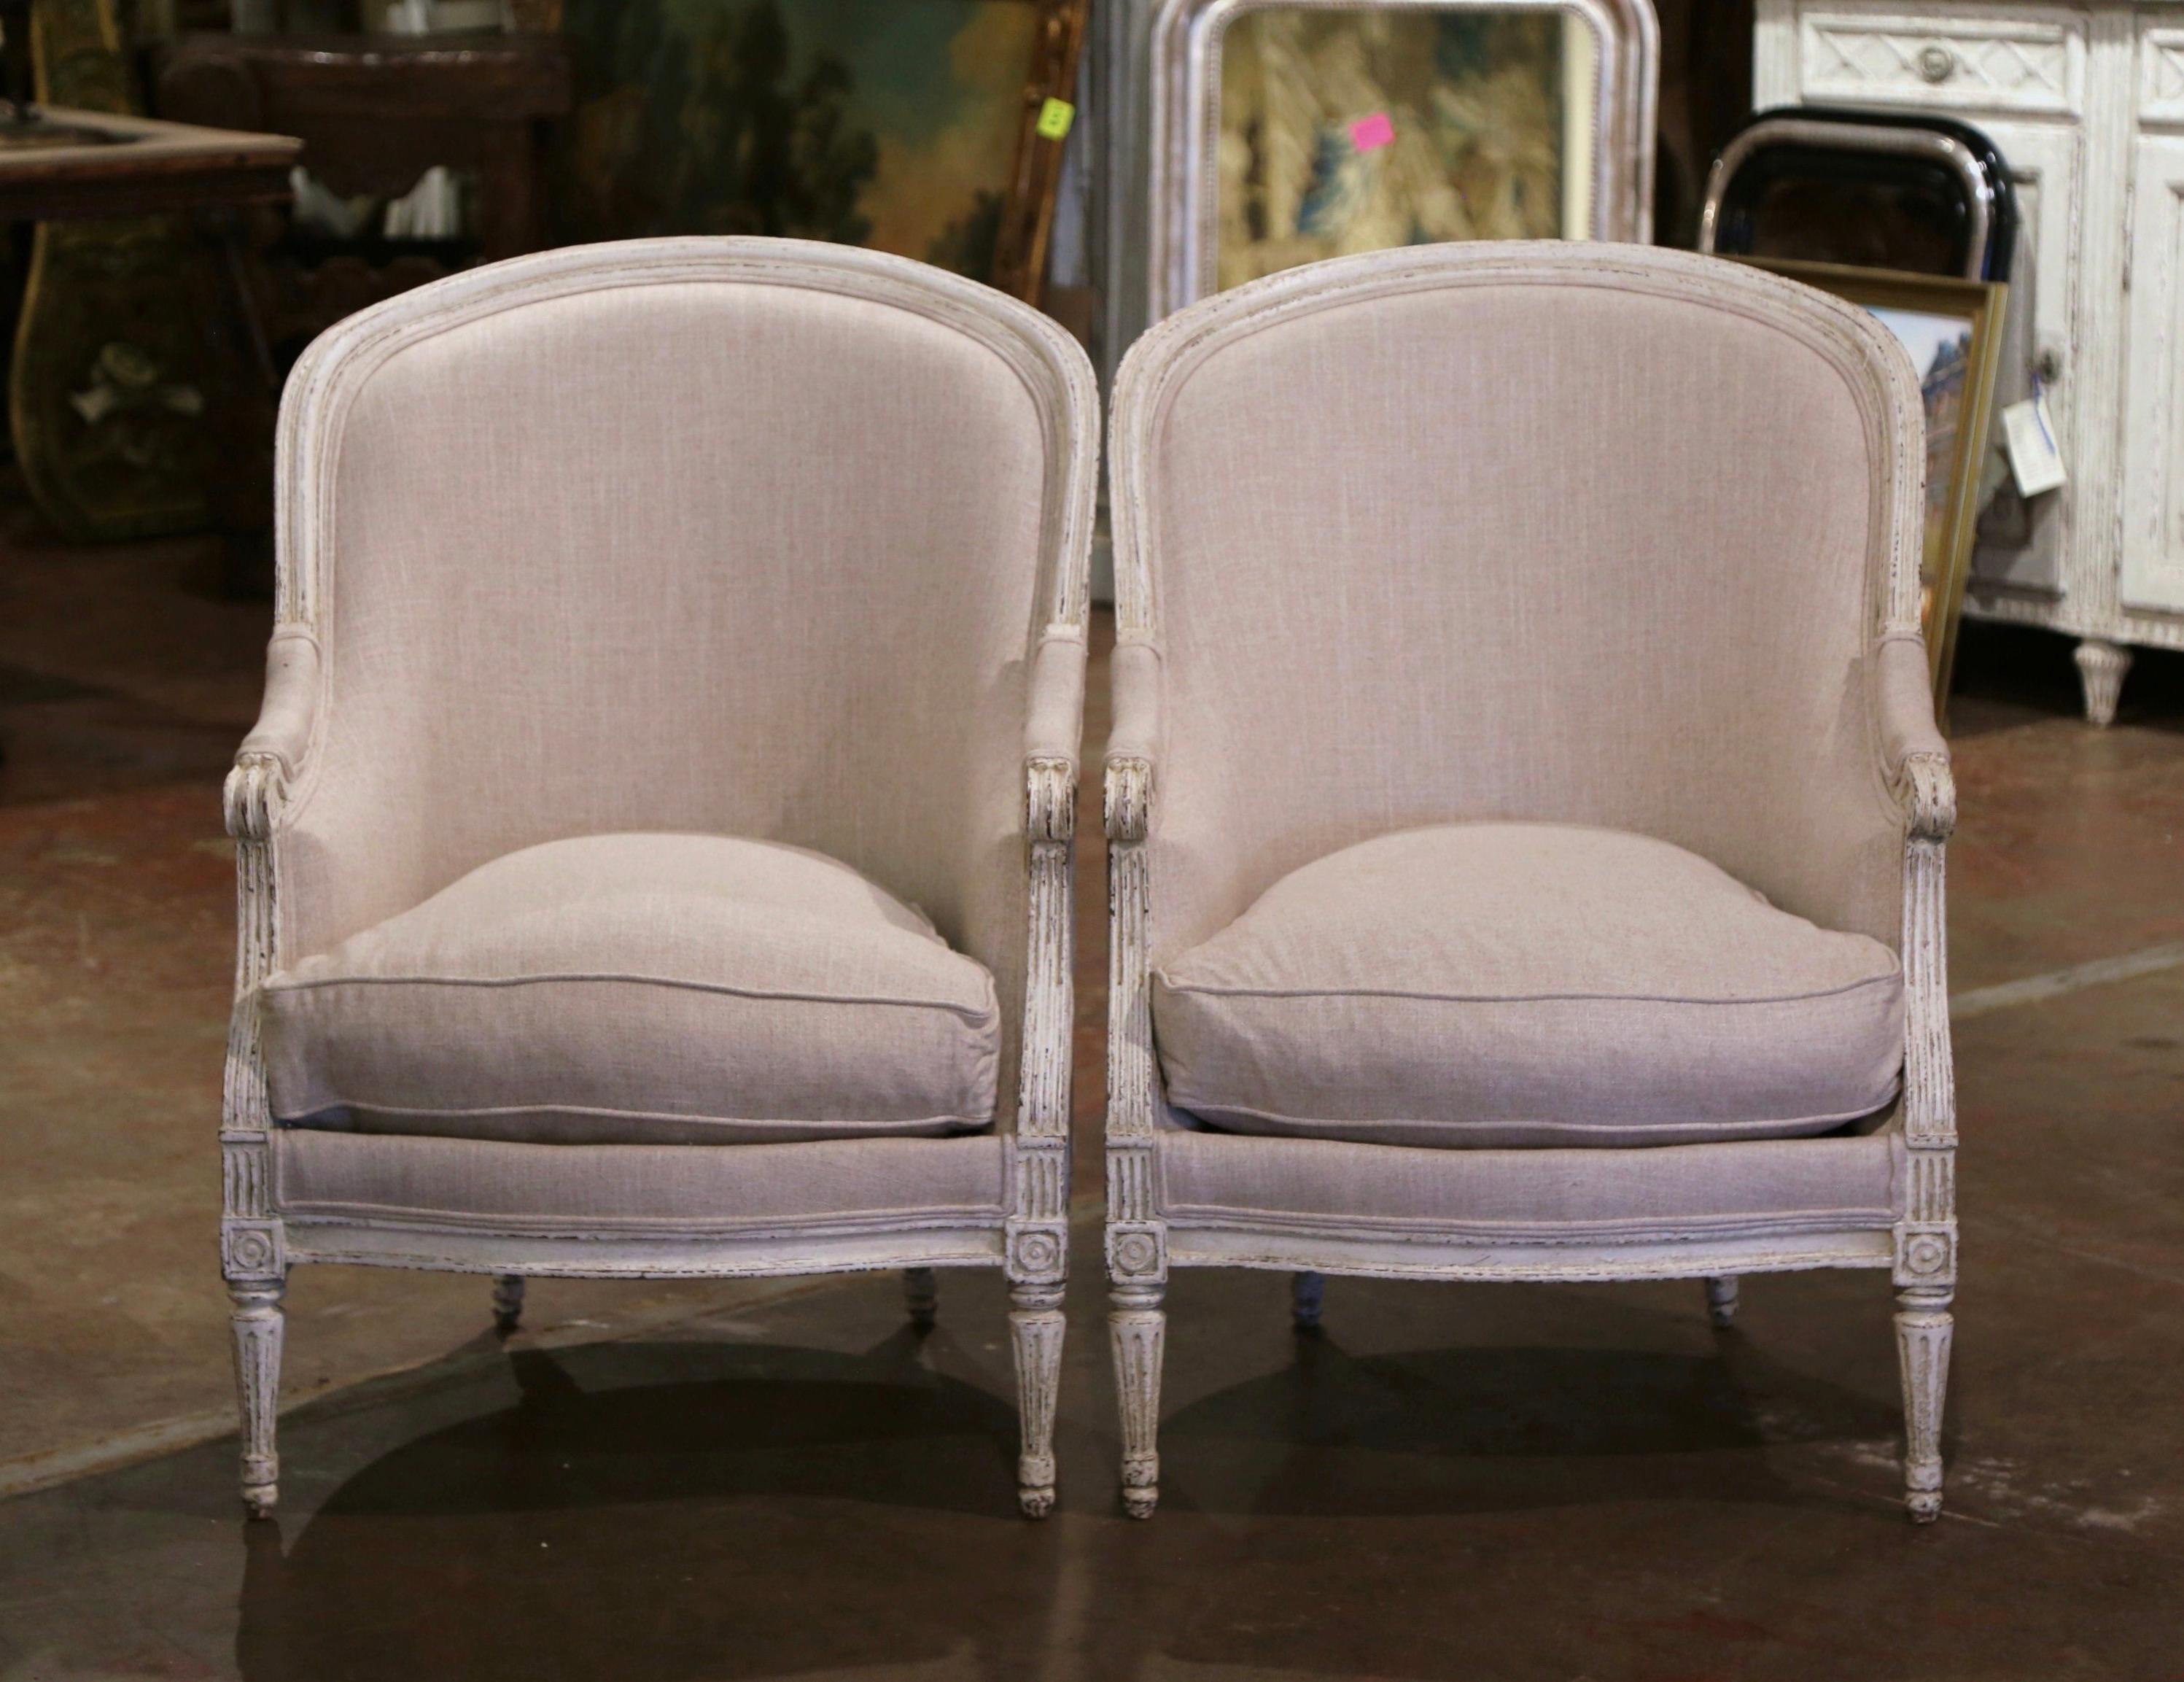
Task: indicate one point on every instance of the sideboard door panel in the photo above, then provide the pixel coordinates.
(2022, 544)
(2153, 392)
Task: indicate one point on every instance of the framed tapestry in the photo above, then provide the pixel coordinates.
(1952, 330)
(1284, 132)
(930, 128)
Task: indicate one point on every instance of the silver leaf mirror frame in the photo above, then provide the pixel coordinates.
(1187, 38)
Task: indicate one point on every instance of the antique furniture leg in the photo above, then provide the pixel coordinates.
(1923, 1330)
(2101, 669)
(1035, 1328)
(259, 1323)
(921, 1295)
(1138, 1330)
(507, 1302)
(1036, 1238)
(1721, 1300)
(1924, 1273)
(1307, 1293)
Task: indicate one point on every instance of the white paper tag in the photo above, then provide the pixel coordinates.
(2028, 438)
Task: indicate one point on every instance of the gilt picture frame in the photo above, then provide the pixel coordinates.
(1462, 87)
(1952, 328)
(935, 129)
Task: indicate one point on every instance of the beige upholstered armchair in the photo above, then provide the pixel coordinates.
(1525, 802)
(654, 849)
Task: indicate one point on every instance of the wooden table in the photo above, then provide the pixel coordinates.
(71, 166)
(134, 167)
(376, 112)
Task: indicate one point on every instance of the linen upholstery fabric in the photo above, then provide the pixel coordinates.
(700, 606)
(1487, 538)
(1500, 533)
(716, 555)
(618, 988)
(1563, 1196)
(633, 1187)
(1527, 984)
(1907, 702)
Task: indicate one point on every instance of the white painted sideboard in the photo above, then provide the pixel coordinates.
(2086, 101)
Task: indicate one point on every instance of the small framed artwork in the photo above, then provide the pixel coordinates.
(930, 128)
(1285, 131)
(1953, 329)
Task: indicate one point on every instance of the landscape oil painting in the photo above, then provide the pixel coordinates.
(892, 124)
(1344, 129)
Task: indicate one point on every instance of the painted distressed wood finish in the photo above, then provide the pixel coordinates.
(1142, 1243)
(2086, 101)
(1027, 1239)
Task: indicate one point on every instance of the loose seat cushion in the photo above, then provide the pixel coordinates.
(640, 989)
(1523, 984)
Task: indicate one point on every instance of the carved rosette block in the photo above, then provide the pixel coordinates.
(258, 1324)
(921, 1295)
(1925, 1256)
(251, 1252)
(1137, 1332)
(1308, 1297)
(1035, 1331)
(2101, 669)
(507, 1302)
(1037, 1251)
(1721, 1301)
(1923, 1328)
(1137, 1252)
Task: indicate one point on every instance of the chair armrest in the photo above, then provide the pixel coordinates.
(1134, 742)
(1917, 758)
(272, 755)
(1054, 725)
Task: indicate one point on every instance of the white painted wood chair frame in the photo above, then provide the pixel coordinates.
(1145, 1241)
(1026, 1237)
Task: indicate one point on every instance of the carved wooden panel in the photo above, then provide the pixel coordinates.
(2153, 573)
(2022, 543)
(2161, 76)
(1995, 63)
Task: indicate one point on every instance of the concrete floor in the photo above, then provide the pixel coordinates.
(689, 1482)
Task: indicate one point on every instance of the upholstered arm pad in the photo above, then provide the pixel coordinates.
(291, 692)
(1134, 741)
(1055, 723)
(273, 753)
(1136, 731)
(1917, 758)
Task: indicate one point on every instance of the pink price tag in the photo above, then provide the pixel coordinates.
(1370, 134)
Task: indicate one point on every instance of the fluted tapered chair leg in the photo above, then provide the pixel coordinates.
(1721, 1300)
(1923, 1328)
(1137, 1330)
(921, 1295)
(258, 1324)
(1035, 1330)
(507, 1302)
(1308, 1295)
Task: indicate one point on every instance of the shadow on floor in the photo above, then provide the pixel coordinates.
(668, 1510)
(660, 1510)
(1451, 1431)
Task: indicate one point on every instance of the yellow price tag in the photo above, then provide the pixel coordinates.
(1055, 118)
